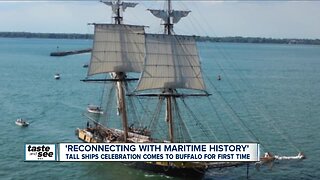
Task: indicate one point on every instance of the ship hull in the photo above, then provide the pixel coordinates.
(85, 136)
(179, 169)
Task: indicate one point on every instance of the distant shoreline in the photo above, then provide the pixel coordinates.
(236, 39)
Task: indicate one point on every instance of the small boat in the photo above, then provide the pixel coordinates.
(94, 109)
(21, 122)
(219, 78)
(57, 76)
(85, 65)
(297, 157)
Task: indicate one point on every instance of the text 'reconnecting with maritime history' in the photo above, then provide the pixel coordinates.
(159, 152)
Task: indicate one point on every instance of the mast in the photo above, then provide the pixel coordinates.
(122, 103)
(170, 117)
(120, 76)
(172, 63)
(168, 28)
(118, 18)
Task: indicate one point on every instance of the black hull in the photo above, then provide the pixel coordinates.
(194, 173)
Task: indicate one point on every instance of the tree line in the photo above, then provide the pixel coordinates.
(239, 39)
(236, 39)
(45, 35)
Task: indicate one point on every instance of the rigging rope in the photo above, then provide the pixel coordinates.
(262, 111)
(110, 100)
(234, 113)
(265, 116)
(103, 89)
(155, 119)
(219, 118)
(130, 107)
(221, 69)
(183, 130)
(146, 113)
(198, 123)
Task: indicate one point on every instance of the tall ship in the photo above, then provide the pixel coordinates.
(168, 72)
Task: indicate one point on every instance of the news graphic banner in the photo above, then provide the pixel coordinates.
(225, 152)
(40, 152)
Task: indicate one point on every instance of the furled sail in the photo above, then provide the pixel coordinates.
(116, 5)
(177, 15)
(127, 4)
(117, 48)
(164, 15)
(172, 62)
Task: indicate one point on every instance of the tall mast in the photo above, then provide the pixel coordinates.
(154, 79)
(121, 76)
(168, 29)
(117, 6)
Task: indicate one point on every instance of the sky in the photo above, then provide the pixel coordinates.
(270, 19)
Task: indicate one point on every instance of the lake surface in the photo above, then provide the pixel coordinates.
(268, 92)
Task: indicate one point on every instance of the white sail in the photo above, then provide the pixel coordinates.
(171, 62)
(117, 48)
(164, 15)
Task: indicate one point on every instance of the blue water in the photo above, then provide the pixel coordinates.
(268, 92)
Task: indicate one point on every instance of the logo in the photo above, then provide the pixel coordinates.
(40, 152)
